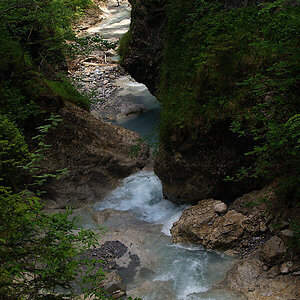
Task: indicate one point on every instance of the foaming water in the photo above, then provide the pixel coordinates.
(181, 271)
(178, 272)
(141, 194)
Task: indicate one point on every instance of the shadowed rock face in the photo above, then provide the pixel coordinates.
(96, 155)
(190, 168)
(148, 20)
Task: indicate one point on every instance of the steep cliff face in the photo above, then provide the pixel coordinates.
(216, 67)
(191, 166)
(145, 46)
(192, 169)
(96, 154)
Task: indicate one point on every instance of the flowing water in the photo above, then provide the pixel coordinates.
(146, 123)
(117, 21)
(179, 271)
(174, 271)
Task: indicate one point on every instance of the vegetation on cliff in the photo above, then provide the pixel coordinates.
(239, 64)
(229, 88)
(38, 252)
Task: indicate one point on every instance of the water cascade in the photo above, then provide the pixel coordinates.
(137, 207)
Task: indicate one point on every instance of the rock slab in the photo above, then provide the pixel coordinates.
(96, 154)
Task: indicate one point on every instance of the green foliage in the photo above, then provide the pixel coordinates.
(33, 44)
(64, 88)
(39, 27)
(35, 35)
(240, 64)
(13, 151)
(38, 252)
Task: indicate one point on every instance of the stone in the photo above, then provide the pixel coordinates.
(114, 286)
(118, 294)
(220, 208)
(131, 110)
(248, 277)
(273, 272)
(202, 224)
(111, 52)
(228, 230)
(274, 249)
(95, 155)
(287, 233)
(286, 267)
(265, 268)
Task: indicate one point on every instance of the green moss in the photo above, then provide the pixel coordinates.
(211, 54)
(68, 92)
(124, 45)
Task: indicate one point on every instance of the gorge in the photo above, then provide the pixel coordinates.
(184, 160)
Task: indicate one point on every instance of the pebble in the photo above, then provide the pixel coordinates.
(94, 75)
(98, 82)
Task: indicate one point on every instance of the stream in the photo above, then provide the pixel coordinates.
(174, 271)
(137, 214)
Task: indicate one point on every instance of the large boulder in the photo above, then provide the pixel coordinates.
(258, 282)
(210, 224)
(274, 250)
(203, 224)
(96, 154)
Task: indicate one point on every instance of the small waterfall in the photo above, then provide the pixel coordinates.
(186, 272)
(141, 194)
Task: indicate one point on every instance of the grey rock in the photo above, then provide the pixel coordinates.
(274, 249)
(114, 286)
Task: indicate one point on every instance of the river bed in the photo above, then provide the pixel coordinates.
(137, 214)
(176, 271)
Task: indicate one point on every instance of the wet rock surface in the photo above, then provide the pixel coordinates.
(266, 269)
(257, 281)
(208, 224)
(107, 258)
(112, 255)
(96, 155)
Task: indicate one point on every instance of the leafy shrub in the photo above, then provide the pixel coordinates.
(39, 27)
(39, 252)
(68, 92)
(13, 151)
